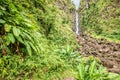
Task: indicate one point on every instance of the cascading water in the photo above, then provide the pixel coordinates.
(77, 24)
(76, 3)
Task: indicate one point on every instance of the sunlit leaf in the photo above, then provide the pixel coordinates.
(8, 41)
(2, 21)
(92, 68)
(33, 46)
(4, 73)
(28, 49)
(1, 13)
(7, 27)
(19, 39)
(16, 31)
(11, 37)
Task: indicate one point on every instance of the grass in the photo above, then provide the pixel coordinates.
(104, 37)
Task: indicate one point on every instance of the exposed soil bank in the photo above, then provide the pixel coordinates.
(107, 52)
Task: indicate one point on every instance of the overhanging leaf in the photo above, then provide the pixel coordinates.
(28, 48)
(8, 41)
(1, 13)
(19, 39)
(33, 46)
(11, 37)
(16, 31)
(7, 27)
(2, 21)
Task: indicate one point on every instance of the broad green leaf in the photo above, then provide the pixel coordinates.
(12, 6)
(8, 41)
(114, 76)
(2, 8)
(1, 13)
(1, 40)
(28, 24)
(11, 37)
(2, 21)
(7, 27)
(28, 36)
(28, 49)
(81, 71)
(92, 68)
(19, 39)
(16, 31)
(33, 46)
(4, 73)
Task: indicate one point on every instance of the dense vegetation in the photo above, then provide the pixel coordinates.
(101, 18)
(37, 42)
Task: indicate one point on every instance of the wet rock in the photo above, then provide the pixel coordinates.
(107, 52)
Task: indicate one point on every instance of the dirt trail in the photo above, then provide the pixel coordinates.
(107, 52)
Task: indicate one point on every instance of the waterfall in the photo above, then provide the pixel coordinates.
(77, 24)
(76, 3)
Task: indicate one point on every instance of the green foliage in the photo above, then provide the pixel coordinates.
(36, 41)
(14, 67)
(16, 29)
(101, 18)
(89, 69)
(29, 33)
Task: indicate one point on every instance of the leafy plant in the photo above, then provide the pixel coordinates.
(90, 69)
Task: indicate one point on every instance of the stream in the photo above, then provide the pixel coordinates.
(76, 3)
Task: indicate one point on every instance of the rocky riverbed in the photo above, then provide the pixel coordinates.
(107, 52)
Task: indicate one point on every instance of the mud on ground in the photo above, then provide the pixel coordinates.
(107, 52)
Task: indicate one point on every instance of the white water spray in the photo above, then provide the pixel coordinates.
(76, 3)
